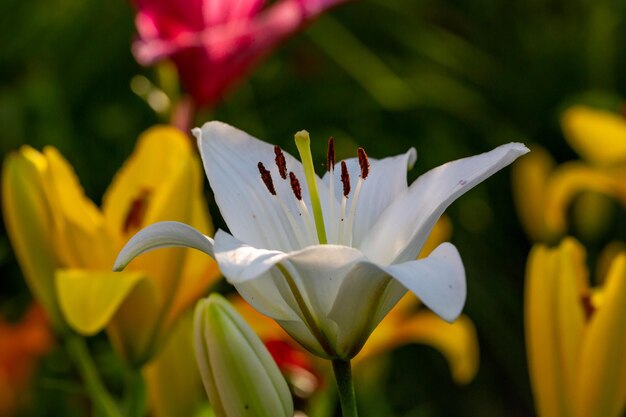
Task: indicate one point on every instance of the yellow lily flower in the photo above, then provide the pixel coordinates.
(404, 324)
(575, 335)
(172, 378)
(66, 245)
(544, 191)
(598, 136)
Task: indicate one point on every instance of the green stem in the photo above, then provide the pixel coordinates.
(134, 394)
(343, 376)
(104, 403)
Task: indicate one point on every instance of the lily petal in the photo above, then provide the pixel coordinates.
(405, 225)
(29, 225)
(163, 235)
(160, 152)
(438, 280)
(386, 180)
(458, 341)
(90, 298)
(316, 271)
(230, 158)
(530, 177)
(571, 179)
(597, 135)
(554, 320)
(337, 288)
(82, 238)
(602, 379)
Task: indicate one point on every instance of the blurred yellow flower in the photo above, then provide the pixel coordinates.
(544, 191)
(66, 245)
(172, 378)
(598, 136)
(575, 335)
(405, 323)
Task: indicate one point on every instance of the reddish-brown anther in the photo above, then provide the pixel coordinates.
(137, 211)
(330, 154)
(281, 163)
(267, 178)
(364, 162)
(345, 179)
(295, 185)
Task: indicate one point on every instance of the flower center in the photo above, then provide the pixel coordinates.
(311, 229)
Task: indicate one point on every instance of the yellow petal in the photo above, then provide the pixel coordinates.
(602, 382)
(162, 180)
(200, 271)
(570, 278)
(440, 233)
(541, 326)
(530, 178)
(569, 180)
(159, 152)
(606, 258)
(164, 167)
(176, 362)
(134, 330)
(29, 224)
(90, 298)
(598, 136)
(457, 341)
(81, 236)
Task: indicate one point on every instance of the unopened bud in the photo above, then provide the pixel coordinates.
(239, 374)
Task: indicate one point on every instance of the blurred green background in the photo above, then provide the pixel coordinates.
(451, 78)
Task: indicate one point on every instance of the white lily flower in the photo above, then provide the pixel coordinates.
(327, 258)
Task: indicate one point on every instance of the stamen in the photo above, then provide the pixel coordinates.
(330, 154)
(330, 165)
(297, 192)
(365, 170)
(281, 163)
(295, 186)
(303, 142)
(345, 179)
(267, 178)
(364, 162)
(588, 306)
(137, 211)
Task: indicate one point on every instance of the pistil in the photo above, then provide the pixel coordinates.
(303, 142)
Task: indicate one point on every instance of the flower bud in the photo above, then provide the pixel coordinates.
(239, 374)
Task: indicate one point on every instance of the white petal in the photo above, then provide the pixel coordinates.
(239, 261)
(404, 226)
(370, 291)
(230, 157)
(163, 235)
(316, 270)
(438, 280)
(315, 273)
(386, 180)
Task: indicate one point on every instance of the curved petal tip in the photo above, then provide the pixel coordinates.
(163, 235)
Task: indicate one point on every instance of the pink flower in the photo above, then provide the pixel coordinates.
(214, 43)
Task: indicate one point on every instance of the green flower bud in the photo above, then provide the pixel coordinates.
(239, 374)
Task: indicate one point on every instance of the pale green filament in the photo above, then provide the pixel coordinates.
(303, 142)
